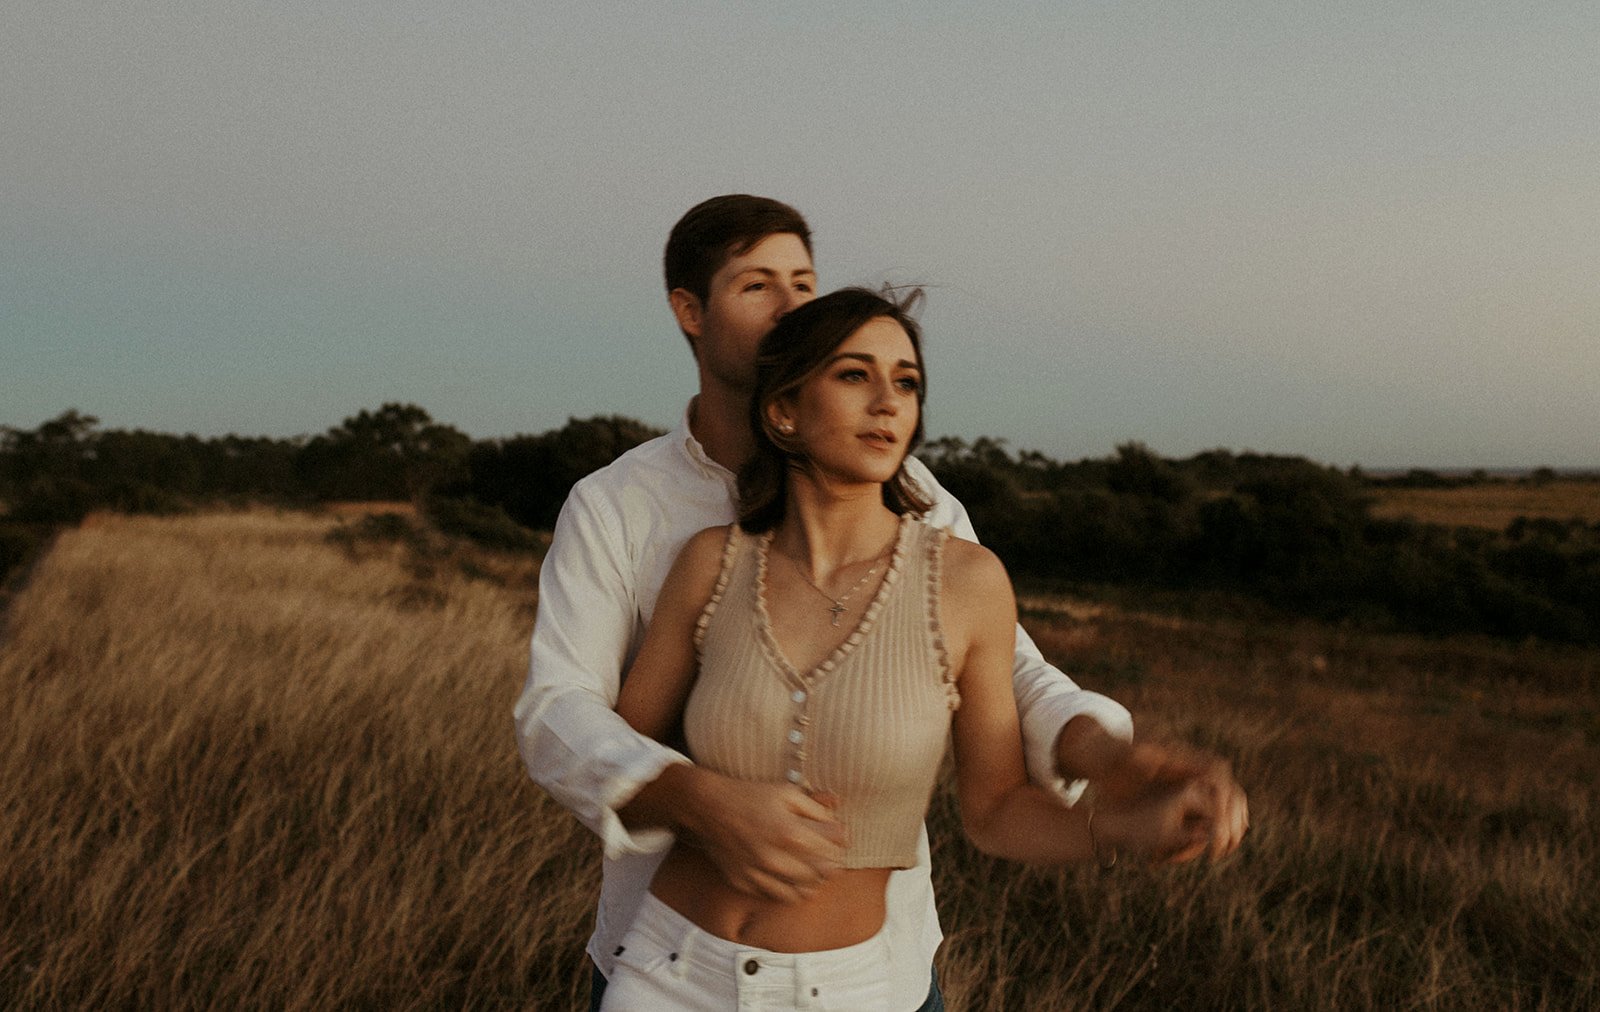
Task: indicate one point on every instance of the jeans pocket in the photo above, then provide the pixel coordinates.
(641, 978)
(643, 953)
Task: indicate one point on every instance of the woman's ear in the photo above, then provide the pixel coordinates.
(780, 416)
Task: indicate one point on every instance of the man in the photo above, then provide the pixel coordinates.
(733, 266)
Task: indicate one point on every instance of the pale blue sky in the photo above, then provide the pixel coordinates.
(1363, 232)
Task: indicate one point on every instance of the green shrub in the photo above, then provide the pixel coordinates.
(488, 526)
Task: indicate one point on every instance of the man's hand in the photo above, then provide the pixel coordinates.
(769, 840)
(1170, 805)
(1173, 803)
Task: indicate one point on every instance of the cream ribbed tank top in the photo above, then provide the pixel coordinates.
(869, 724)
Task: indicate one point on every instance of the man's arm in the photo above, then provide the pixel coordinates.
(573, 744)
(631, 791)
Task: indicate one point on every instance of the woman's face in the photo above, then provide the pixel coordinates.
(855, 418)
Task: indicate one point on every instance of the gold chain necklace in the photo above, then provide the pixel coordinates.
(838, 608)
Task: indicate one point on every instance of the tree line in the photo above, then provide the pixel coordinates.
(1283, 530)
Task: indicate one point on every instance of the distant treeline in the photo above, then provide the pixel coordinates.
(1293, 533)
(1285, 530)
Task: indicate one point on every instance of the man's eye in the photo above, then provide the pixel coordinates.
(803, 287)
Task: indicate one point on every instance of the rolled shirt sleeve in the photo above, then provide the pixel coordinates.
(573, 743)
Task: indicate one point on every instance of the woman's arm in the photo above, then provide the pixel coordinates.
(1002, 812)
(1064, 725)
(658, 682)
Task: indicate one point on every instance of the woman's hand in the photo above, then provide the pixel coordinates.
(1165, 805)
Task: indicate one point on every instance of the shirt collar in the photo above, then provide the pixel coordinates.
(683, 436)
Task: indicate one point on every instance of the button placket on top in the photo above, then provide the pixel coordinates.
(801, 698)
(804, 686)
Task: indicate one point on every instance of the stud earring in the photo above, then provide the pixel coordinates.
(786, 427)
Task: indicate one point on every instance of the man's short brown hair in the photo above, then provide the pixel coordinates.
(715, 231)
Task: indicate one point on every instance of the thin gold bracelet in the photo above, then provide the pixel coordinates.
(1090, 795)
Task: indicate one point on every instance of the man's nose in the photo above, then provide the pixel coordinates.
(793, 299)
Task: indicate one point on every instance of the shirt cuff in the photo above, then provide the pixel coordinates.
(616, 837)
(1042, 727)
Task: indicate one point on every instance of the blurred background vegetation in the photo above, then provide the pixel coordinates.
(1218, 530)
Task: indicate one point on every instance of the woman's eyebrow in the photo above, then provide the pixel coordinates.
(861, 356)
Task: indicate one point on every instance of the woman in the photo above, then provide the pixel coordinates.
(831, 639)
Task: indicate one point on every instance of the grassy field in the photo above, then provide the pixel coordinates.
(247, 765)
(1492, 504)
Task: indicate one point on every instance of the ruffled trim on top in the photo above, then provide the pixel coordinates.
(769, 643)
(729, 550)
(936, 542)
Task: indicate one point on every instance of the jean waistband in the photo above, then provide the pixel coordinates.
(666, 927)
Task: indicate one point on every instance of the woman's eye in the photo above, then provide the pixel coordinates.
(853, 375)
(909, 384)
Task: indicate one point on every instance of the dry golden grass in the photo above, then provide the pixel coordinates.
(1492, 504)
(248, 767)
(244, 768)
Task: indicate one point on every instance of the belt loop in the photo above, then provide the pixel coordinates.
(683, 952)
(802, 986)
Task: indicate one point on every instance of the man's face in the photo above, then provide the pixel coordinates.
(747, 296)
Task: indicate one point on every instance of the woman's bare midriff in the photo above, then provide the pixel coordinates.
(846, 909)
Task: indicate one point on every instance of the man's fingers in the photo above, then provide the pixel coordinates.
(784, 876)
(826, 799)
(1199, 807)
(1152, 768)
(776, 842)
(819, 809)
(772, 887)
(1226, 813)
(1187, 852)
(810, 807)
(1231, 826)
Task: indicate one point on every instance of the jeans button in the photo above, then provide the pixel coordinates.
(751, 966)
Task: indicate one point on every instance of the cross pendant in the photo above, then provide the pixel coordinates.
(837, 610)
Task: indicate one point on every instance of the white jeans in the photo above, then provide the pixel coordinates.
(668, 963)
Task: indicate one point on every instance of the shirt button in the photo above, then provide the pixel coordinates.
(751, 966)
(795, 737)
(794, 776)
(799, 696)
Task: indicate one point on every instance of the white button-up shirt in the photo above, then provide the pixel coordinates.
(617, 536)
